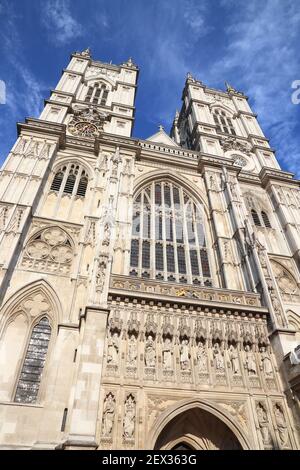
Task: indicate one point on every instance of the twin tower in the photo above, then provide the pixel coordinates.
(150, 289)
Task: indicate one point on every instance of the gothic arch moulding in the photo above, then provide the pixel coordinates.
(174, 177)
(66, 159)
(35, 300)
(174, 413)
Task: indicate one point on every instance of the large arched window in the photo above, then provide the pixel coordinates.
(70, 179)
(33, 365)
(97, 94)
(223, 122)
(168, 240)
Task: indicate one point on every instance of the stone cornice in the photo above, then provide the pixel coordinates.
(269, 175)
(222, 300)
(43, 127)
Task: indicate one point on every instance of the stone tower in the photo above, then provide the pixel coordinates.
(149, 288)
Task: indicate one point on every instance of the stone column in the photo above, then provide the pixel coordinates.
(83, 419)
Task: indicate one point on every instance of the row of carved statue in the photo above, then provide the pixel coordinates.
(108, 417)
(201, 351)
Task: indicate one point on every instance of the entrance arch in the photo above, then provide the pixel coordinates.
(197, 425)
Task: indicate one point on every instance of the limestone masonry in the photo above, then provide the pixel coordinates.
(150, 289)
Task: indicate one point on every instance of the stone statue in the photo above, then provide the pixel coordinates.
(132, 351)
(150, 355)
(281, 425)
(250, 363)
(234, 359)
(201, 357)
(167, 354)
(113, 349)
(263, 423)
(218, 358)
(184, 355)
(129, 418)
(106, 234)
(266, 365)
(108, 415)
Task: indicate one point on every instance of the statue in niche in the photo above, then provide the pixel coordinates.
(106, 234)
(218, 358)
(201, 357)
(167, 353)
(250, 363)
(263, 424)
(108, 415)
(129, 418)
(113, 349)
(184, 355)
(234, 359)
(266, 365)
(281, 425)
(150, 356)
(132, 351)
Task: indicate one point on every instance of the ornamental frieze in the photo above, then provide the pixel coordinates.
(125, 283)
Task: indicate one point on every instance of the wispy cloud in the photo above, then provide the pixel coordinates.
(195, 16)
(262, 57)
(61, 25)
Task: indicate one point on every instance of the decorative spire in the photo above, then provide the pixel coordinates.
(85, 52)
(230, 89)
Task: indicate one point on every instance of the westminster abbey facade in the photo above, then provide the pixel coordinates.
(150, 289)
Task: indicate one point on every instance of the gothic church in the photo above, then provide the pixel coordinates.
(150, 289)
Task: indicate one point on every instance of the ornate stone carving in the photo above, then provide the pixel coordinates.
(49, 250)
(113, 349)
(36, 305)
(281, 425)
(85, 53)
(266, 364)
(132, 351)
(201, 357)
(218, 358)
(150, 355)
(108, 415)
(184, 355)
(87, 122)
(263, 423)
(167, 352)
(129, 418)
(15, 222)
(250, 362)
(231, 143)
(234, 359)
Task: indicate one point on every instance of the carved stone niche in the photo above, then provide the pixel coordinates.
(286, 282)
(133, 326)
(150, 347)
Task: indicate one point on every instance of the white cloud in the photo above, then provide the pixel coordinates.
(262, 56)
(58, 19)
(195, 17)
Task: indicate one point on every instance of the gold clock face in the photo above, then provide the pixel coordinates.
(86, 129)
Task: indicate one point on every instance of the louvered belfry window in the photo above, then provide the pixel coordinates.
(168, 237)
(265, 219)
(33, 365)
(97, 94)
(70, 179)
(223, 122)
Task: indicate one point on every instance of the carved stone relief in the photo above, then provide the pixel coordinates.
(49, 250)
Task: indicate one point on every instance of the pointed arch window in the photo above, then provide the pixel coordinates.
(223, 122)
(265, 219)
(255, 218)
(168, 236)
(31, 373)
(70, 179)
(97, 94)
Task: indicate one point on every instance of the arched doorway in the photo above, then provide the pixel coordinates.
(197, 429)
(196, 425)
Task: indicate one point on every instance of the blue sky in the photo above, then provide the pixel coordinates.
(253, 45)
